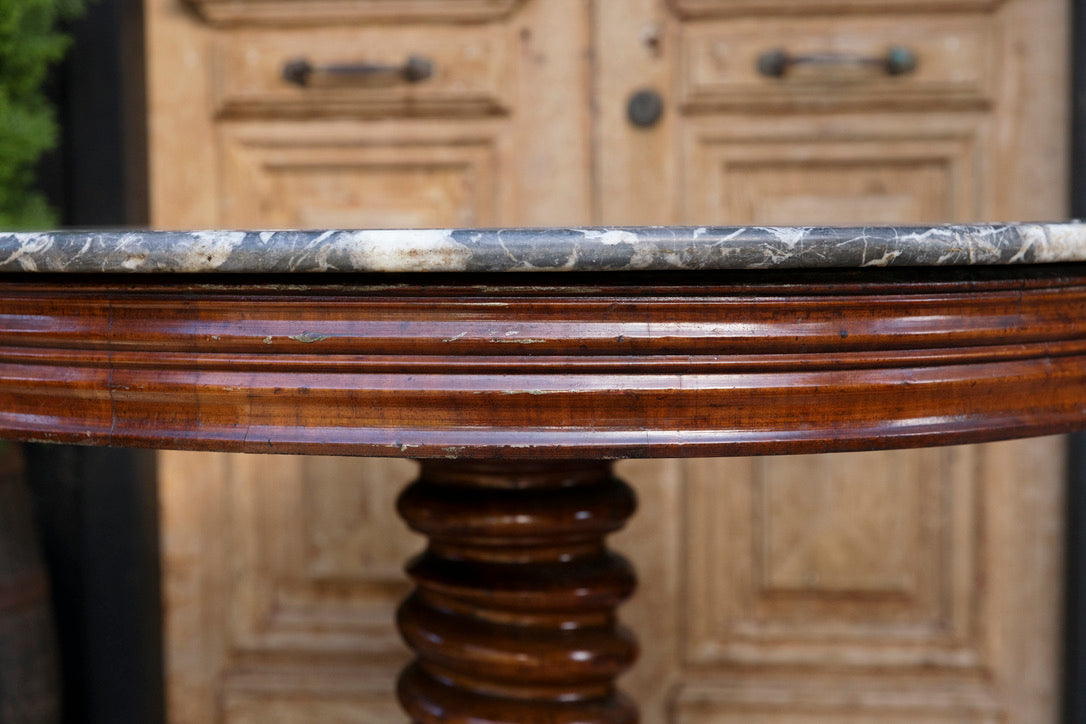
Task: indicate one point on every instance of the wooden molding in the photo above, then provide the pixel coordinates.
(729, 8)
(315, 12)
(471, 73)
(958, 63)
(422, 181)
(653, 365)
(784, 584)
(761, 170)
(741, 699)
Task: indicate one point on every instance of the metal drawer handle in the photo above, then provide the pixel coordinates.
(777, 63)
(415, 69)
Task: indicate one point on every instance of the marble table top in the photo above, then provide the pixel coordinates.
(560, 249)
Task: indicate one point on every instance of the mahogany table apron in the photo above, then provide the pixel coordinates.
(515, 390)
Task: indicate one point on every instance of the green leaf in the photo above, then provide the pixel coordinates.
(30, 42)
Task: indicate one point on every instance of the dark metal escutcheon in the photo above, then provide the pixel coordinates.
(645, 108)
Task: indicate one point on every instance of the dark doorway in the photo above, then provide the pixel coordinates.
(96, 508)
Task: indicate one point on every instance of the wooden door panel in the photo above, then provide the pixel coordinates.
(318, 566)
(843, 561)
(285, 574)
(854, 707)
(273, 707)
(957, 63)
(308, 12)
(850, 171)
(351, 176)
(813, 653)
(725, 8)
(470, 72)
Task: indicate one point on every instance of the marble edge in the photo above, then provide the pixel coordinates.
(602, 249)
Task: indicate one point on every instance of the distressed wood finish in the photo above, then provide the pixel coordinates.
(629, 366)
(291, 12)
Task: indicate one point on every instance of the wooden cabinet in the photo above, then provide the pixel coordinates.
(918, 586)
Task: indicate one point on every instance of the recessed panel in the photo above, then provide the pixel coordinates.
(723, 8)
(833, 62)
(835, 700)
(790, 561)
(364, 701)
(349, 533)
(810, 193)
(343, 180)
(831, 530)
(830, 174)
(362, 71)
(310, 12)
(320, 559)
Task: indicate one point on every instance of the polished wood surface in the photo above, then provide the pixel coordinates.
(626, 366)
(513, 619)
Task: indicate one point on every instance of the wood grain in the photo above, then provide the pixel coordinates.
(295, 12)
(513, 619)
(472, 367)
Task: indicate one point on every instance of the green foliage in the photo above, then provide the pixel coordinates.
(29, 43)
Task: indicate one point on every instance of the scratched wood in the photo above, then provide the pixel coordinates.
(418, 366)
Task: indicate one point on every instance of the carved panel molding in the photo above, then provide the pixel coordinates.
(803, 584)
(772, 173)
(799, 701)
(728, 8)
(314, 12)
(319, 572)
(316, 573)
(472, 73)
(958, 63)
(342, 176)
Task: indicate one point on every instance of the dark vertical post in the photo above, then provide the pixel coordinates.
(1074, 682)
(96, 516)
(97, 509)
(1078, 108)
(1074, 687)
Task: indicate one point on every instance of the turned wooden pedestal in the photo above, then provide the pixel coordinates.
(514, 390)
(513, 618)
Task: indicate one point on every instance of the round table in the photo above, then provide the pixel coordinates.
(515, 364)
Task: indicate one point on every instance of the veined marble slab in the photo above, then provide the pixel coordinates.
(505, 250)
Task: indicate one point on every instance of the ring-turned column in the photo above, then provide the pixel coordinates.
(513, 617)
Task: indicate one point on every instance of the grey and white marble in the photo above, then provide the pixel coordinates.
(507, 250)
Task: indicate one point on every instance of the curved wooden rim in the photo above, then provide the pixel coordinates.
(610, 366)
